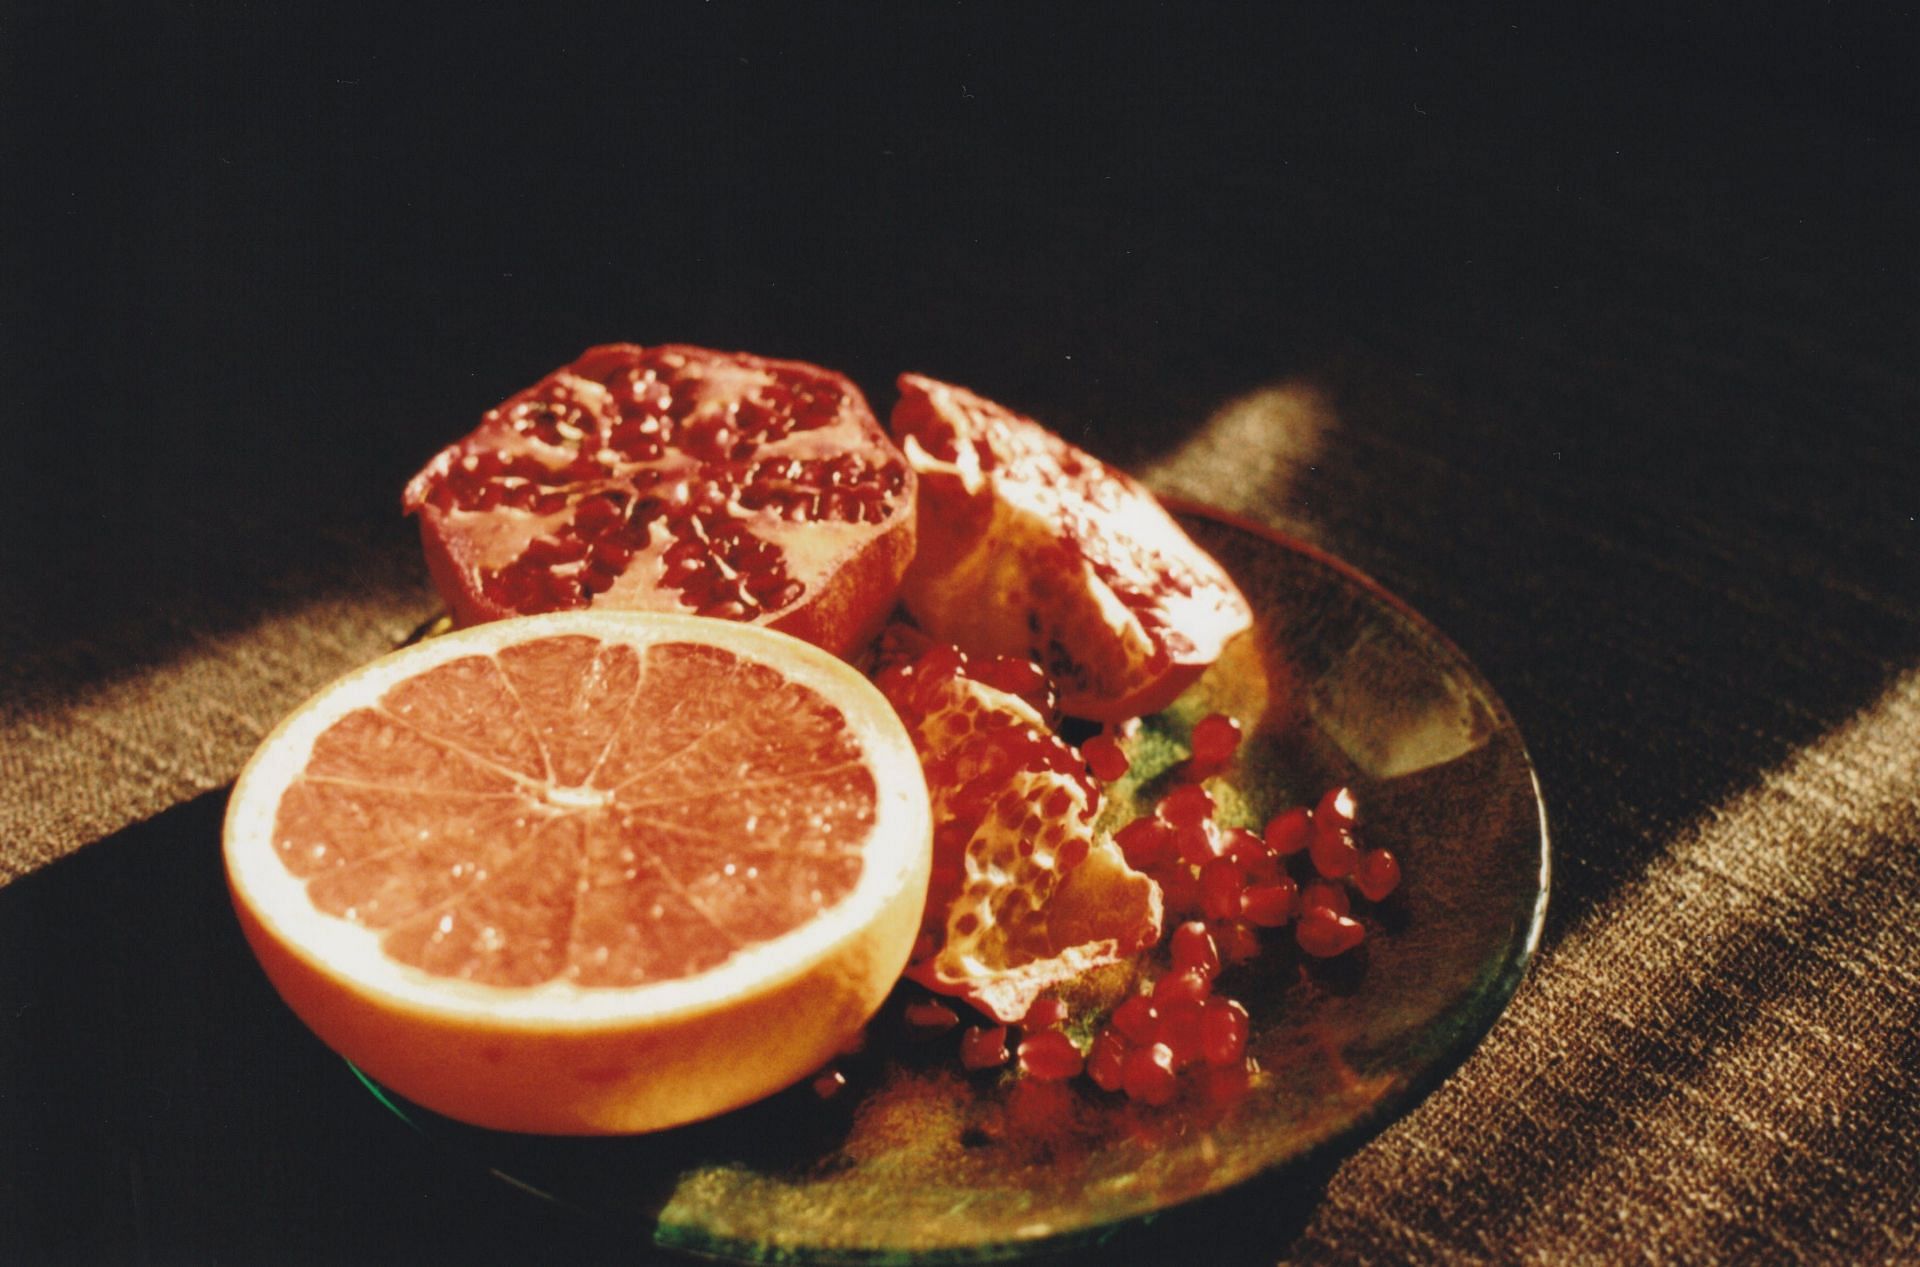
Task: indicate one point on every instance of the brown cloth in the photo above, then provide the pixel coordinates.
(1594, 343)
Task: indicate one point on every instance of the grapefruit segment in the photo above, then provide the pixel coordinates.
(585, 872)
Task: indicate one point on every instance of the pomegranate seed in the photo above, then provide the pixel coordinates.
(1333, 851)
(1339, 807)
(928, 1019)
(1107, 1059)
(1251, 855)
(1105, 758)
(596, 580)
(1193, 949)
(1147, 1074)
(1134, 1019)
(1197, 843)
(1186, 805)
(829, 1084)
(1377, 874)
(1271, 905)
(1179, 1029)
(1223, 1031)
(1323, 933)
(1290, 831)
(1237, 941)
(1186, 986)
(1324, 895)
(1050, 1056)
(1045, 1014)
(1214, 739)
(1220, 888)
(983, 1048)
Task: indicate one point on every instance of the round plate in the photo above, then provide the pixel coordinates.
(915, 1160)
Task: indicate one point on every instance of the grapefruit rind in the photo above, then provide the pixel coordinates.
(566, 1059)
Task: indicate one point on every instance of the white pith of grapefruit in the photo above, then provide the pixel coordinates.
(560, 1057)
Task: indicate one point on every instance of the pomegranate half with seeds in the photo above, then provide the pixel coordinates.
(675, 478)
(1032, 547)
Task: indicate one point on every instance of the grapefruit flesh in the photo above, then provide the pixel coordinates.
(585, 872)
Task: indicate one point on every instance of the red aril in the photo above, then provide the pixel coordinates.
(1270, 905)
(1220, 888)
(1031, 547)
(1146, 1074)
(1135, 1020)
(1323, 932)
(1106, 759)
(557, 874)
(1290, 831)
(1223, 1031)
(1333, 850)
(1187, 804)
(1325, 894)
(1106, 1060)
(674, 479)
(1377, 874)
(984, 1047)
(1192, 947)
(1050, 1056)
(1215, 737)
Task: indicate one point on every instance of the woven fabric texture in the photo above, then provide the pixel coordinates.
(1595, 345)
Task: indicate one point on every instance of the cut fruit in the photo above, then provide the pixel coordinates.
(1031, 547)
(1024, 897)
(674, 479)
(585, 872)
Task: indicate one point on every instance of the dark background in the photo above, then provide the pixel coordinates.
(1617, 315)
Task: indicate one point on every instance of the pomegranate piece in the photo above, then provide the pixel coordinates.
(1031, 547)
(1022, 898)
(674, 479)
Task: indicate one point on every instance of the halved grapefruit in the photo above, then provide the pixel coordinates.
(585, 872)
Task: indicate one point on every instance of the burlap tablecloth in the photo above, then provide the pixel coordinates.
(1609, 376)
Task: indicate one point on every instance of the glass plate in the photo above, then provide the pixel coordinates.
(916, 1161)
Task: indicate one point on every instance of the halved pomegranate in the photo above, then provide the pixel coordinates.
(1031, 547)
(674, 479)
